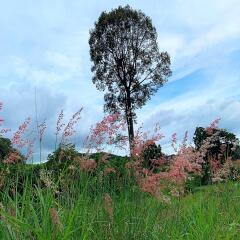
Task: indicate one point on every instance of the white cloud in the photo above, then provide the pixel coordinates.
(56, 68)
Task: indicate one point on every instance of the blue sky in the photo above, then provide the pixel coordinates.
(44, 45)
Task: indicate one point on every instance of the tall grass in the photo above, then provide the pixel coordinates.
(80, 211)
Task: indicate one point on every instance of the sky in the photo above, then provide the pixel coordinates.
(44, 48)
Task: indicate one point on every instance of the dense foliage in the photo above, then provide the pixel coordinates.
(219, 146)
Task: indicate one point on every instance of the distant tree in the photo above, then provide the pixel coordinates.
(127, 63)
(221, 145)
(151, 153)
(5, 147)
(223, 141)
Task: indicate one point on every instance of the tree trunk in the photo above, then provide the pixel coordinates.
(130, 132)
(129, 117)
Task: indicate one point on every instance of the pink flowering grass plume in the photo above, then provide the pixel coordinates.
(3, 131)
(18, 140)
(185, 162)
(30, 148)
(47, 177)
(1, 107)
(223, 171)
(21, 141)
(60, 124)
(152, 180)
(174, 142)
(144, 139)
(18, 137)
(104, 158)
(109, 170)
(151, 184)
(13, 158)
(86, 164)
(109, 131)
(184, 141)
(42, 127)
(59, 127)
(213, 126)
(156, 185)
(41, 130)
(69, 130)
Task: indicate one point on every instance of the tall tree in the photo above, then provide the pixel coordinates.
(127, 63)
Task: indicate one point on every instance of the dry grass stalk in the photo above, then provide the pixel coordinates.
(55, 218)
(108, 205)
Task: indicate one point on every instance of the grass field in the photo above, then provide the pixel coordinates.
(84, 211)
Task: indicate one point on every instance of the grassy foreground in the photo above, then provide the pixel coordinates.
(82, 212)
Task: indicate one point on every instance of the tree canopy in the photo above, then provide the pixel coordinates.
(127, 63)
